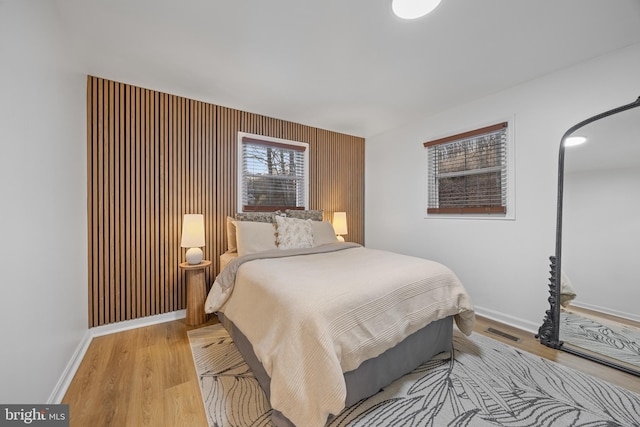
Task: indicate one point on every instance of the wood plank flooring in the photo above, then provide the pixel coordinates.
(140, 377)
(146, 376)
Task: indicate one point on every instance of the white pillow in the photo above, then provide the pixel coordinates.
(323, 233)
(252, 237)
(294, 233)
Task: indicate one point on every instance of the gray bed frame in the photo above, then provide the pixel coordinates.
(373, 374)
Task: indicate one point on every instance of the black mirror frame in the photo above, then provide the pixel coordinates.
(549, 332)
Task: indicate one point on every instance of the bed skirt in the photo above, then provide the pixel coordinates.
(373, 374)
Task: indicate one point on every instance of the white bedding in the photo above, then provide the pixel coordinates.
(310, 318)
(226, 258)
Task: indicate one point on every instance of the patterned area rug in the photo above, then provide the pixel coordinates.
(487, 383)
(611, 339)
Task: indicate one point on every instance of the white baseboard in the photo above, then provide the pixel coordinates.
(516, 322)
(67, 375)
(74, 363)
(137, 323)
(606, 310)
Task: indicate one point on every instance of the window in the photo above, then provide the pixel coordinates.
(468, 173)
(273, 173)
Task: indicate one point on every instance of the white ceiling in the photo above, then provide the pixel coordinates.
(343, 65)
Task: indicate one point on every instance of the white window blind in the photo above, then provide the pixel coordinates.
(468, 172)
(273, 175)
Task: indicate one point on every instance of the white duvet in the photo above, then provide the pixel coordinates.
(310, 318)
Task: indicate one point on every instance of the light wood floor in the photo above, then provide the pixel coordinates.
(146, 376)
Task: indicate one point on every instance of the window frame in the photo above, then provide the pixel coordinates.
(479, 213)
(274, 142)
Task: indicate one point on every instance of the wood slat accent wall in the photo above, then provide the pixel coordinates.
(338, 182)
(153, 157)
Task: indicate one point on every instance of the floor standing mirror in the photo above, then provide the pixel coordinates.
(595, 273)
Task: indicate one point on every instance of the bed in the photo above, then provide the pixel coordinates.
(324, 324)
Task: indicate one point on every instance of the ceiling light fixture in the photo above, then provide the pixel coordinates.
(412, 9)
(572, 141)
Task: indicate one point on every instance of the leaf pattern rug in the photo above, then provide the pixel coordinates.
(614, 340)
(486, 383)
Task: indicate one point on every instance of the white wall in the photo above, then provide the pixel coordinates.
(601, 238)
(503, 264)
(43, 256)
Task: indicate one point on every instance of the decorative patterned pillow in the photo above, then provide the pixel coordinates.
(258, 216)
(294, 233)
(313, 215)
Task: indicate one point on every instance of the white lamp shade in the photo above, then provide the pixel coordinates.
(193, 231)
(340, 223)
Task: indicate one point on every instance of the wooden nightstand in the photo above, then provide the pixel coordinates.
(196, 294)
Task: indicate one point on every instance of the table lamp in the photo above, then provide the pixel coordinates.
(193, 237)
(340, 224)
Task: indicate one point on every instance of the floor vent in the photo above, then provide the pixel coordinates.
(503, 334)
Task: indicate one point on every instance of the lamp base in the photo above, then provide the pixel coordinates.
(194, 256)
(340, 238)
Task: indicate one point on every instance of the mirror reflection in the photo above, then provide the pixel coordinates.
(600, 271)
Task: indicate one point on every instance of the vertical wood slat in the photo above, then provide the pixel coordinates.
(100, 179)
(129, 280)
(153, 157)
(121, 314)
(110, 200)
(92, 207)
